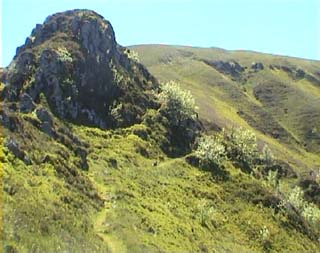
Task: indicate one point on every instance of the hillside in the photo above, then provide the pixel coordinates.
(99, 156)
(276, 96)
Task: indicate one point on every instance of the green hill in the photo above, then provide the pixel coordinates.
(280, 102)
(97, 157)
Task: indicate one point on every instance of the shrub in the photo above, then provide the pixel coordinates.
(179, 104)
(309, 211)
(211, 151)
(265, 238)
(267, 155)
(243, 145)
(133, 55)
(64, 55)
(272, 179)
(296, 198)
(207, 215)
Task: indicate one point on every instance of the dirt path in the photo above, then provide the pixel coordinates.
(100, 226)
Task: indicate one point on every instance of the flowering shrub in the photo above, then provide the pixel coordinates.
(309, 211)
(211, 151)
(179, 104)
(243, 145)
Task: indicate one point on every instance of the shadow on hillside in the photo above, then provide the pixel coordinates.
(218, 173)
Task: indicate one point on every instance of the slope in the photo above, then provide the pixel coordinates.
(92, 161)
(278, 97)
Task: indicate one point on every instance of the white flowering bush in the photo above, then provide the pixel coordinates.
(243, 145)
(309, 211)
(179, 104)
(211, 151)
(312, 214)
(296, 198)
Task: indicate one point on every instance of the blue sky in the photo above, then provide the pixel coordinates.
(286, 27)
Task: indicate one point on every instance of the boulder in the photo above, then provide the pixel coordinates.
(44, 116)
(13, 146)
(232, 67)
(299, 74)
(26, 103)
(257, 66)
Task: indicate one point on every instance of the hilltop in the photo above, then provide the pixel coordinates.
(100, 156)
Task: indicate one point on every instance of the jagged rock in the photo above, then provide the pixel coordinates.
(13, 146)
(26, 103)
(113, 162)
(8, 121)
(44, 116)
(257, 66)
(232, 68)
(82, 153)
(46, 127)
(300, 74)
(81, 71)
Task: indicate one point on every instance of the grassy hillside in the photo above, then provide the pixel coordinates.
(280, 105)
(98, 157)
(134, 198)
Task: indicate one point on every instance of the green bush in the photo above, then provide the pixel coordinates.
(133, 55)
(211, 151)
(64, 55)
(177, 103)
(267, 155)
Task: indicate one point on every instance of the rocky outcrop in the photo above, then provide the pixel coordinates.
(85, 76)
(14, 147)
(232, 68)
(296, 73)
(257, 66)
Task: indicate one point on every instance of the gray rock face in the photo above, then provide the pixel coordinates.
(26, 104)
(257, 66)
(232, 68)
(74, 60)
(300, 74)
(48, 129)
(44, 116)
(13, 146)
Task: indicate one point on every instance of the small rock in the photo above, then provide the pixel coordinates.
(257, 66)
(300, 74)
(44, 116)
(26, 104)
(13, 146)
(83, 156)
(8, 121)
(113, 162)
(46, 127)
(232, 68)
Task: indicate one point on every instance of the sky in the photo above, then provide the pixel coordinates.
(285, 27)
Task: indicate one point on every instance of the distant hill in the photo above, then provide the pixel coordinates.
(277, 96)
